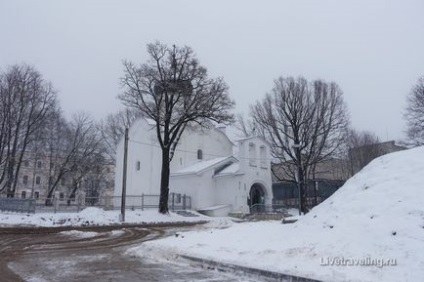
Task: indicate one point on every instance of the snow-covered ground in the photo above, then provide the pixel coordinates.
(372, 229)
(92, 216)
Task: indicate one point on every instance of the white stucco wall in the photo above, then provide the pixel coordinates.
(231, 191)
(258, 171)
(144, 148)
(213, 144)
(205, 188)
(201, 188)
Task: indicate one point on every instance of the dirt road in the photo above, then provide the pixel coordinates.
(94, 255)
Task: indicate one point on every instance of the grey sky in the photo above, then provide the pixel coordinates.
(373, 49)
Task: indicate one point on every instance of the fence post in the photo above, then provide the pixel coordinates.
(173, 201)
(108, 200)
(184, 202)
(142, 201)
(81, 200)
(56, 201)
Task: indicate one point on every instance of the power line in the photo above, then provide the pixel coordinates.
(194, 152)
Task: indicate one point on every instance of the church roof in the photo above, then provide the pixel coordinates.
(200, 167)
(229, 170)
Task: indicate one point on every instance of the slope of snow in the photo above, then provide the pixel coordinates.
(92, 216)
(371, 229)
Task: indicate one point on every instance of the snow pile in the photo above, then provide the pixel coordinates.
(372, 229)
(93, 216)
(79, 234)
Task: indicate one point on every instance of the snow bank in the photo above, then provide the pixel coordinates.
(92, 216)
(79, 234)
(372, 229)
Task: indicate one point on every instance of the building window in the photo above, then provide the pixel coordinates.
(252, 154)
(36, 195)
(178, 198)
(38, 180)
(199, 154)
(138, 165)
(23, 194)
(39, 164)
(25, 179)
(262, 155)
(26, 163)
(61, 196)
(63, 182)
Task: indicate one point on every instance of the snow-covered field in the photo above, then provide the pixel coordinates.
(92, 216)
(372, 229)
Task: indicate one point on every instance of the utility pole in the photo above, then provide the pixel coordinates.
(124, 177)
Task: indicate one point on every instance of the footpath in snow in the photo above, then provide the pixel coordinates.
(371, 229)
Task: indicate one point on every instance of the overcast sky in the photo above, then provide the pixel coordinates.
(373, 49)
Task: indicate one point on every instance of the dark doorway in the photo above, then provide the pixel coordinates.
(257, 195)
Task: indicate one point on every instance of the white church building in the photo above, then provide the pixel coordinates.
(204, 167)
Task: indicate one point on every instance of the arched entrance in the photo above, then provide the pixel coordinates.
(256, 195)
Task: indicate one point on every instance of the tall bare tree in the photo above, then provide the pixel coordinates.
(174, 90)
(27, 101)
(73, 148)
(414, 113)
(305, 123)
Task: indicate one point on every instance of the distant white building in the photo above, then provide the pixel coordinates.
(204, 168)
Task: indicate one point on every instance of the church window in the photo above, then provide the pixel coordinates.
(199, 154)
(252, 154)
(262, 156)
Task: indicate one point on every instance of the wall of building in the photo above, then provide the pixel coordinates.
(206, 188)
(200, 187)
(145, 156)
(34, 174)
(213, 144)
(255, 165)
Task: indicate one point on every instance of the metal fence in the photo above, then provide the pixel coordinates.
(262, 208)
(17, 205)
(294, 202)
(175, 202)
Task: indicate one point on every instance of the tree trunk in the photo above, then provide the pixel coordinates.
(164, 182)
(303, 190)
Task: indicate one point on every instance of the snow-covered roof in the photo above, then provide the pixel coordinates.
(205, 165)
(229, 170)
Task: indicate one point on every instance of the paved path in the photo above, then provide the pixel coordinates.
(43, 256)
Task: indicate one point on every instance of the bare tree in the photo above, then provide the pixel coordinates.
(73, 149)
(362, 148)
(113, 128)
(27, 101)
(414, 113)
(244, 126)
(174, 90)
(305, 124)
